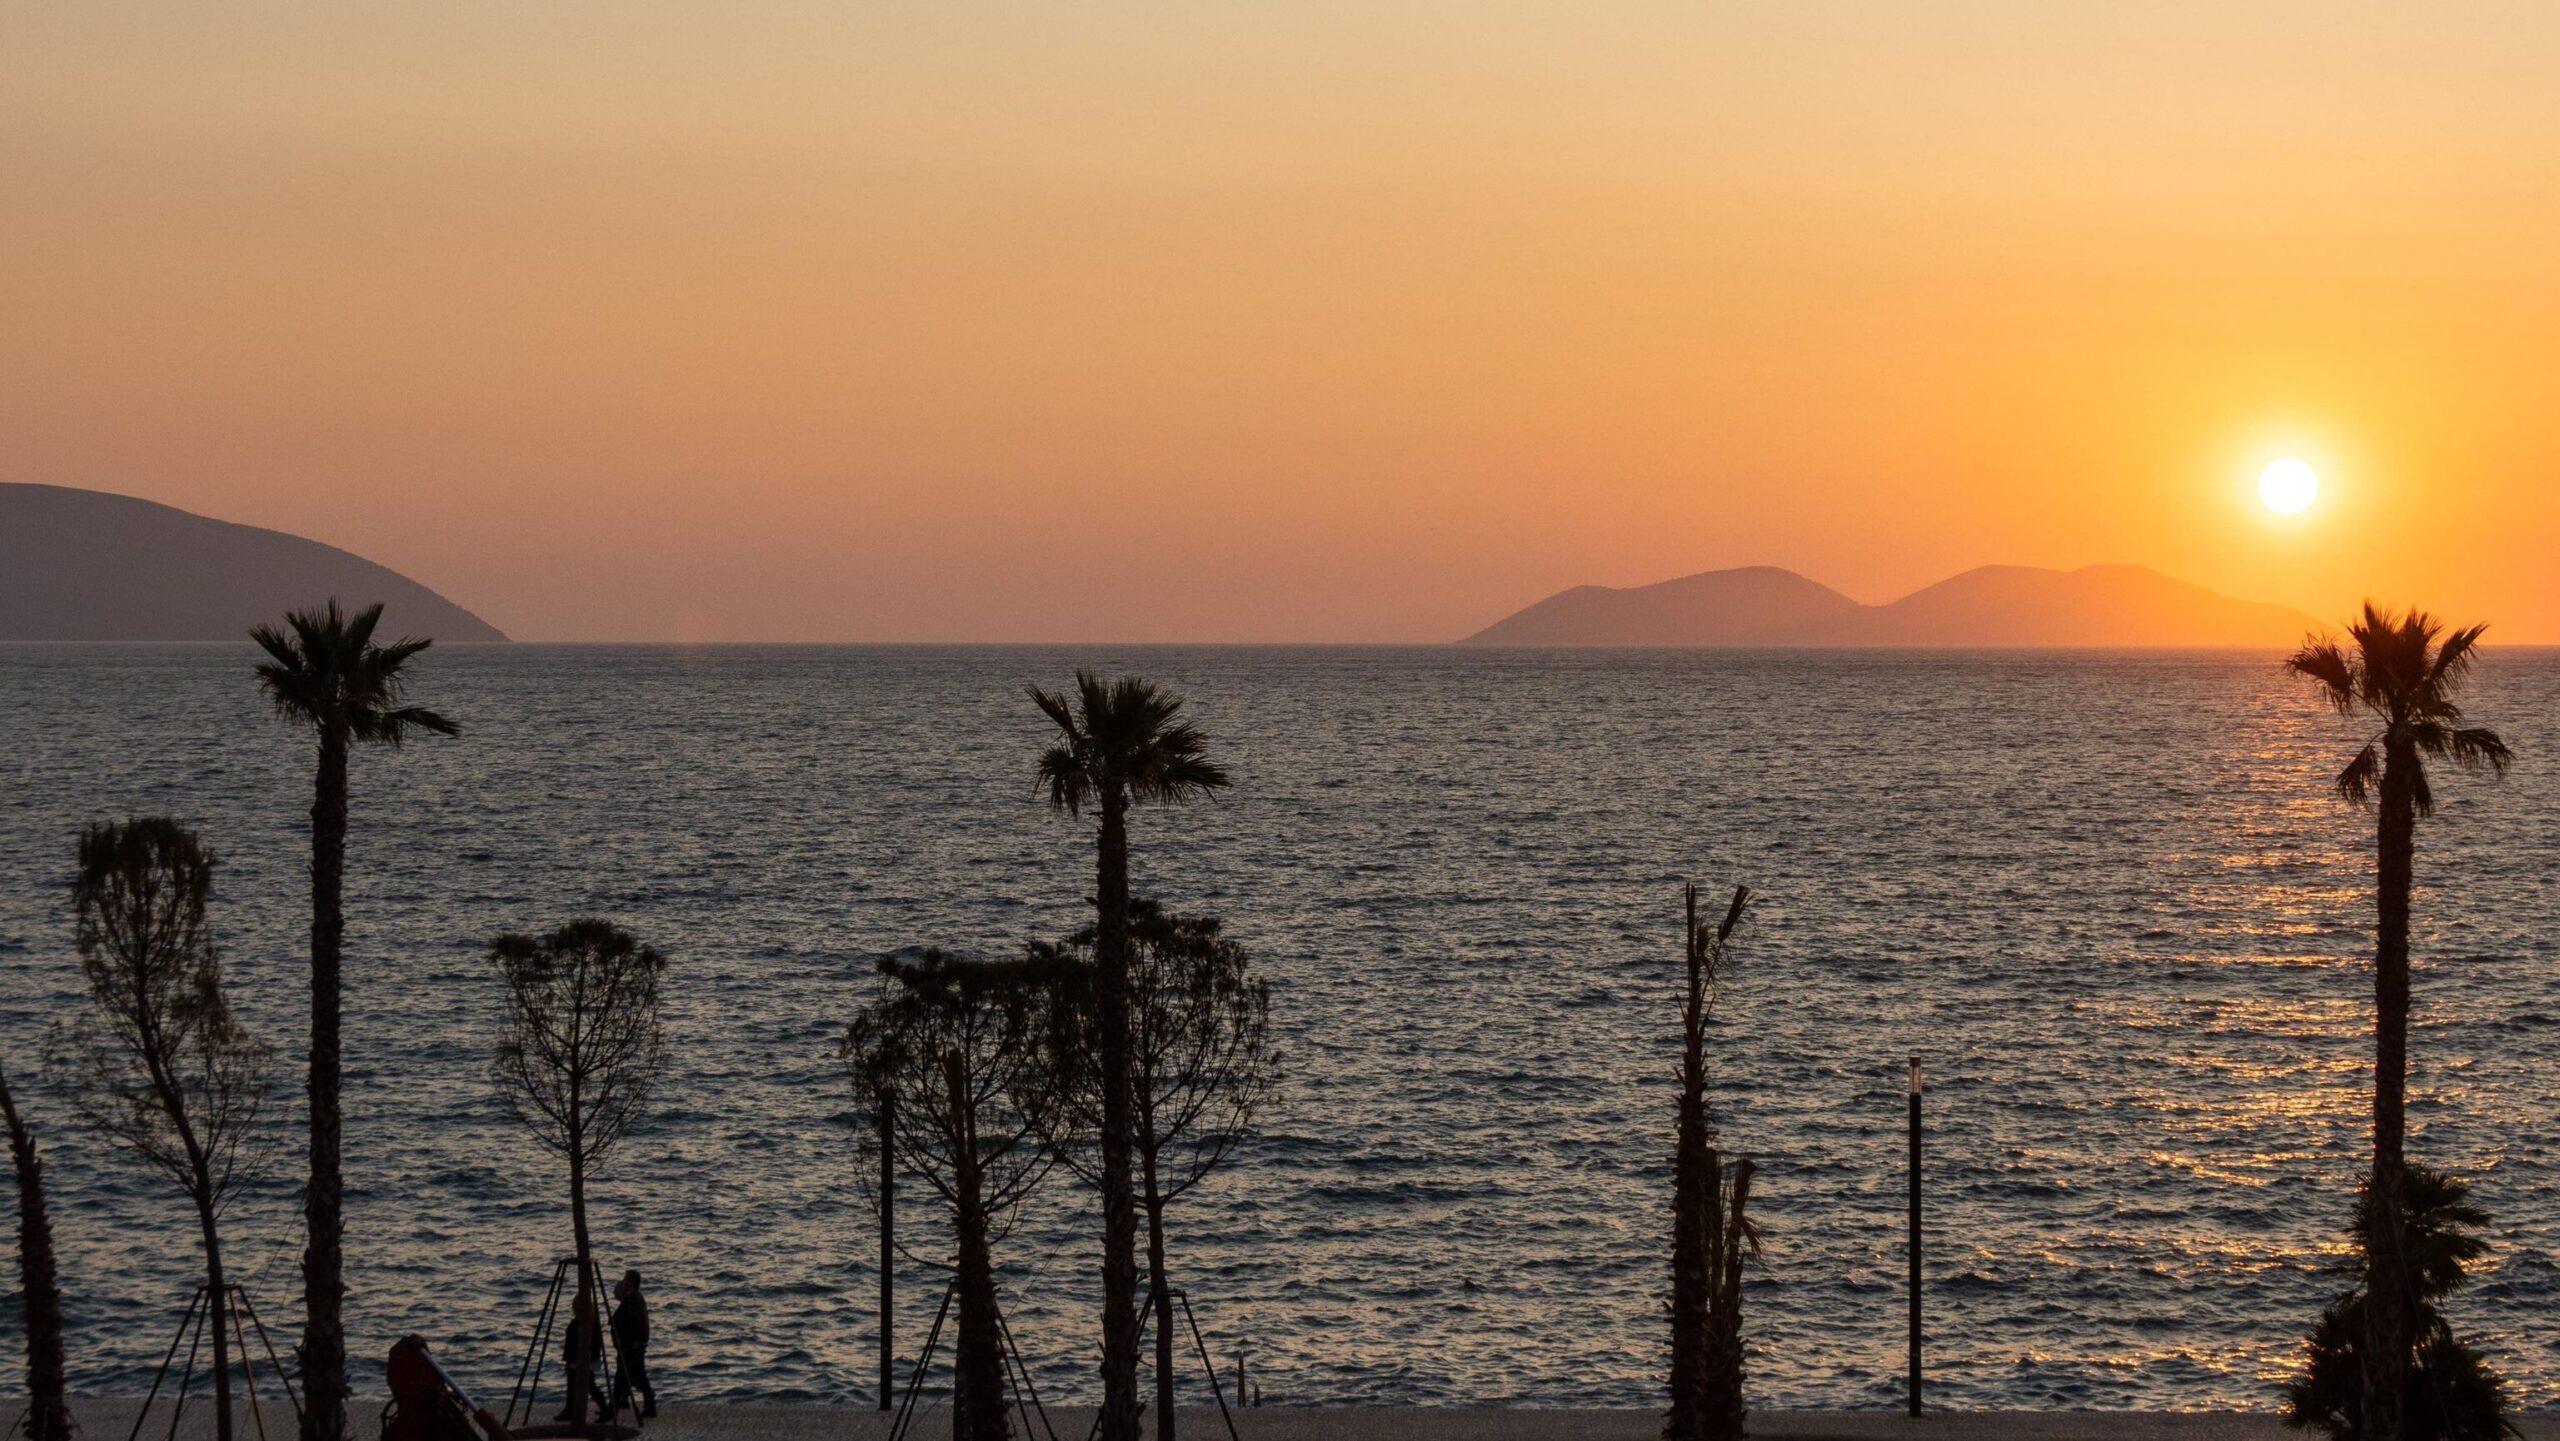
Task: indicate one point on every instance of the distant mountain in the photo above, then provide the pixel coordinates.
(1755, 605)
(2096, 605)
(83, 565)
(1996, 605)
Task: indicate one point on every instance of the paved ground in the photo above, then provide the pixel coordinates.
(111, 1420)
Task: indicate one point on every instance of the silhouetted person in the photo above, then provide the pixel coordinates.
(584, 1347)
(631, 1345)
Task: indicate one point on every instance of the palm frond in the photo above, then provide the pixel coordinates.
(1124, 737)
(359, 631)
(1733, 914)
(1177, 768)
(324, 671)
(277, 645)
(388, 660)
(2478, 748)
(390, 728)
(1055, 707)
(2399, 657)
(2399, 671)
(1064, 775)
(2362, 775)
(315, 628)
(2327, 664)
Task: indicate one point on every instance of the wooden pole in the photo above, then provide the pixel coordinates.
(1915, 1235)
(887, 1110)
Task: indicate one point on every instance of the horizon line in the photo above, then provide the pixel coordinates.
(665, 643)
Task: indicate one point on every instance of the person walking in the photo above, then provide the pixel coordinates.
(631, 1346)
(581, 1352)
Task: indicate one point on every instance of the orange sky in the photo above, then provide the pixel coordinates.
(1304, 321)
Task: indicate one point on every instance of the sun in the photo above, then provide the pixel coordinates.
(2288, 486)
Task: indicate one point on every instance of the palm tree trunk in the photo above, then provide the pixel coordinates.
(1689, 1206)
(582, 1369)
(2389, 1298)
(48, 1415)
(217, 1304)
(1722, 1415)
(977, 1361)
(324, 1285)
(1161, 1288)
(1119, 1420)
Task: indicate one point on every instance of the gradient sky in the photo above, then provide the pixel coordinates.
(1304, 321)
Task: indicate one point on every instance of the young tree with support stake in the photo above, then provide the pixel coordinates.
(1710, 1235)
(1121, 743)
(1200, 1063)
(954, 1050)
(324, 671)
(48, 1414)
(578, 1051)
(159, 1061)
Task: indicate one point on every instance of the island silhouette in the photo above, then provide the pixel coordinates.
(87, 565)
(1989, 606)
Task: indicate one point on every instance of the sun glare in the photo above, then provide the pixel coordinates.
(2288, 486)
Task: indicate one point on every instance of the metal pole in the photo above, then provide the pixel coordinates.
(888, 1255)
(165, 1362)
(1915, 1235)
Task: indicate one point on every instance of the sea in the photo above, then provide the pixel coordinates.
(2108, 900)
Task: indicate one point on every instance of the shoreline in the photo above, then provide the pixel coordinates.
(814, 1422)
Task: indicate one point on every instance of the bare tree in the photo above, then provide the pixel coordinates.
(578, 1052)
(159, 1061)
(955, 1048)
(1710, 1238)
(48, 1415)
(1200, 1066)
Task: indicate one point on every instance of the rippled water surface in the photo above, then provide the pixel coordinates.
(2108, 898)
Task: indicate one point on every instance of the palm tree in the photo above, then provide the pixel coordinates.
(2453, 1394)
(324, 671)
(2404, 672)
(1708, 1232)
(48, 1418)
(1123, 743)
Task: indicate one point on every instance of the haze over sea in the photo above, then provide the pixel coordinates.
(2109, 899)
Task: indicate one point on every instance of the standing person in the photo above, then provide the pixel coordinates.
(631, 1346)
(580, 1352)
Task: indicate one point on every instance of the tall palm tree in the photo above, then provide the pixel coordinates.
(2404, 672)
(1122, 743)
(325, 672)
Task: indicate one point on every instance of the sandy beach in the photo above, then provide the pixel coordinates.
(106, 1419)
